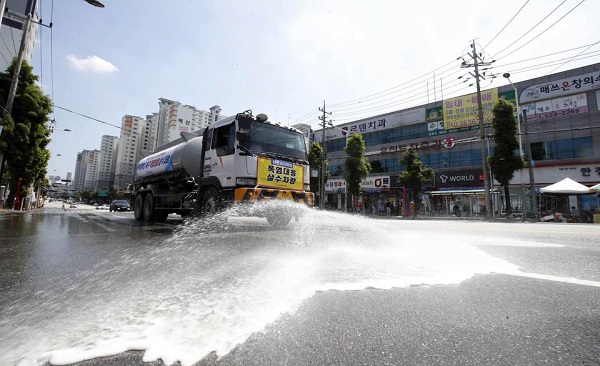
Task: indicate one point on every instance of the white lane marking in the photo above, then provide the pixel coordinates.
(575, 281)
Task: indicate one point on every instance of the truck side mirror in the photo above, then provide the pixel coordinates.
(242, 136)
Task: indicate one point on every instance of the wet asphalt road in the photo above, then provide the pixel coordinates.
(551, 315)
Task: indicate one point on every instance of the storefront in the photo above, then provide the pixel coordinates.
(336, 198)
(377, 193)
(458, 193)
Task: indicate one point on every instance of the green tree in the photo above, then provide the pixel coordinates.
(414, 176)
(25, 134)
(357, 166)
(85, 195)
(315, 159)
(505, 160)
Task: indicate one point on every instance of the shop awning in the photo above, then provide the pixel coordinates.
(459, 191)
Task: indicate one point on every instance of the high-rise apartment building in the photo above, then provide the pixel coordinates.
(108, 161)
(174, 117)
(86, 170)
(133, 145)
(114, 165)
(153, 120)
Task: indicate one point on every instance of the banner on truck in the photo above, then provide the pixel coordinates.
(276, 173)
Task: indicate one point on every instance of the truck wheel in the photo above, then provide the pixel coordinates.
(138, 207)
(279, 220)
(209, 204)
(149, 207)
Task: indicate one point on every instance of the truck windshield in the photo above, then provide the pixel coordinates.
(266, 138)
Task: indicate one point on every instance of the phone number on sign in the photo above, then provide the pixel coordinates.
(554, 114)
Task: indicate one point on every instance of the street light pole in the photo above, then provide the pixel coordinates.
(534, 206)
(507, 76)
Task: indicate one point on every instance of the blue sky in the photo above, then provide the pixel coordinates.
(283, 58)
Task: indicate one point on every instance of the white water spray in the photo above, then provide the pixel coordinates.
(208, 289)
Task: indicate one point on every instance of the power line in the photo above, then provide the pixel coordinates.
(401, 91)
(104, 122)
(393, 90)
(412, 97)
(501, 30)
(411, 92)
(549, 54)
(13, 39)
(544, 31)
(304, 116)
(526, 33)
(394, 87)
(569, 60)
(8, 49)
(377, 104)
(377, 93)
(548, 64)
(2, 54)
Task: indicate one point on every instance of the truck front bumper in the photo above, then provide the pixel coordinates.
(252, 195)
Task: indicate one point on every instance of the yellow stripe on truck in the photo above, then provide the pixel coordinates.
(252, 195)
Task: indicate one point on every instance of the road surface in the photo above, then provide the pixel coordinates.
(97, 288)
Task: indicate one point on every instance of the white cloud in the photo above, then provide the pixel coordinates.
(92, 64)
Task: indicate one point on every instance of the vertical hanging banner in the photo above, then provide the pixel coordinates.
(461, 112)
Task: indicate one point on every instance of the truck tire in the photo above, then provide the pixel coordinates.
(210, 199)
(138, 207)
(149, 207)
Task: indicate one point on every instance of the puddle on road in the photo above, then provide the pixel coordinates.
(207, 290)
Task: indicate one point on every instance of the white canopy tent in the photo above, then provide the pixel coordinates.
(566, 186)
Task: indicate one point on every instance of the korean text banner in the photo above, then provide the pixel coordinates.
(274, 173)
(461, 112)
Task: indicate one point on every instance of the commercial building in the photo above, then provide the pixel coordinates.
(11, 31)
(563, 121)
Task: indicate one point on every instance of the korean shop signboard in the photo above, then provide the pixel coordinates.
(558, 88)
(557, 107)
(335, 185)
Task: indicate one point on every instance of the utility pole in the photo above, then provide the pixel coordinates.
(534, 206)
(324, 121)
(486, 175)
(15, 79)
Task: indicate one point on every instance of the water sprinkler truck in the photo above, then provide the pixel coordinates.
(241, 161)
